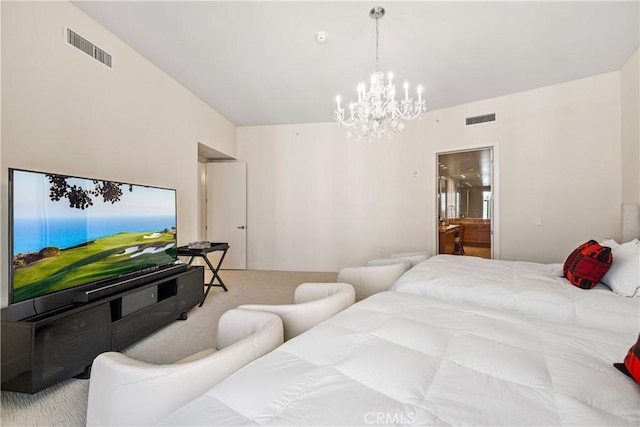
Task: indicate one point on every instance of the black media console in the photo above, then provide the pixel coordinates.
(44, 349)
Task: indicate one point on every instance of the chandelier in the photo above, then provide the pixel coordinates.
(377, 112)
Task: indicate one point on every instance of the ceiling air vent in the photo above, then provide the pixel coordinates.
(87, 47)
(481, 119)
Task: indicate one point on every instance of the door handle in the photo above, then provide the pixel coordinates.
(242, 227)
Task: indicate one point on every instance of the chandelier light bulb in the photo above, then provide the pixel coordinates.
(338, 101)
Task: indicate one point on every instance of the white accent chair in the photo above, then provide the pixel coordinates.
(125, 391)
(413, 257)
(312, 303)
(378, 275)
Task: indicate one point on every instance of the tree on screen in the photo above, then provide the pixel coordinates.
(82, 198)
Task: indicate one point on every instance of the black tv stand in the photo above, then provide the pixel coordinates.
(42, 350)
(84, 375)
(118, 286)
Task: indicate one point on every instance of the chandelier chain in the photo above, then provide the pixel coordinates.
(377, 43)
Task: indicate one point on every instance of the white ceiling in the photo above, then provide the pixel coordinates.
(258, 63)
(472, 168)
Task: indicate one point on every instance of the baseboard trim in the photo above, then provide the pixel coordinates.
(300, 268)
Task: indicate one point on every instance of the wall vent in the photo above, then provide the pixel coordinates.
(87, 47)
(481, 119)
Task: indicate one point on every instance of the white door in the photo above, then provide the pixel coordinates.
(227, 211)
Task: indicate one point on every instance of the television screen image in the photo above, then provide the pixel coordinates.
(68, 231)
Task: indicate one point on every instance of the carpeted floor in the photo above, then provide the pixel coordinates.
(65, 403)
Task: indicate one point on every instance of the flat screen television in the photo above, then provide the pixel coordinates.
(68, 232)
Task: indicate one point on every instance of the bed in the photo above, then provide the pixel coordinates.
(397, 358)
(526, 288)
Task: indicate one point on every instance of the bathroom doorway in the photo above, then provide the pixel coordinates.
(465, 201)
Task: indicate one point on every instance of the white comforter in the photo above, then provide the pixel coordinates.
(400, 359)
(526, 288)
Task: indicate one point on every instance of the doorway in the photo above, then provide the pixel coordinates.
(226, 183)
(465, 202)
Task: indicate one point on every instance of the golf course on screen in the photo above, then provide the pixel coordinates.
(95, 260)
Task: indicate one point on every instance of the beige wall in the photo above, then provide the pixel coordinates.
(320, 202)
(630, 89)
(64, 112)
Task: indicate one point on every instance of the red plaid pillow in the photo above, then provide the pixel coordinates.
(631, 365)
(589, 266)
(574, 254)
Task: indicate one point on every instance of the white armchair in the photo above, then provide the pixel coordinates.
(125, 391)
(312, 304)
(376, 276)
(413, 257)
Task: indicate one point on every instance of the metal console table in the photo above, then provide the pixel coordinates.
(202, 253)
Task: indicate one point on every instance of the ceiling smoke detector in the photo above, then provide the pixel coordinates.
(321, 37)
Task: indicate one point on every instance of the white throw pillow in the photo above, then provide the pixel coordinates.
(609, 242)
(556, 269)
(623, 277)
